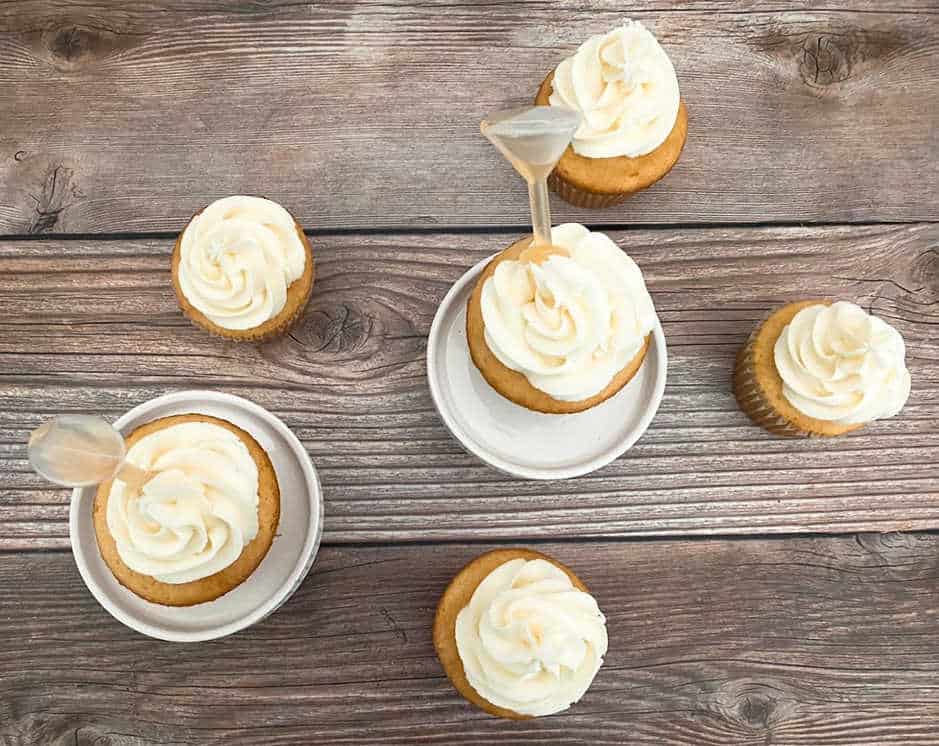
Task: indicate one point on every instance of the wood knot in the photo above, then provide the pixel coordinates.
(824, 61)
(895, 557)
(904, 300)
(752, 705)
(924, 274)
(880, 544)
(824, 54)
(336, 329)
(73, 46)
(349, 337)
(57, 192)
(756, 711)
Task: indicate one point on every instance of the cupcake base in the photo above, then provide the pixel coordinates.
(759, 387)
(452, 602)
(220, 583)
(298, 294)
(510, 383)
(604, 182)
(581, 197)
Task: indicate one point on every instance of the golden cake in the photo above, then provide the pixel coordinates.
(560, 330)
(243, 269)
(202, 518)
(821, 368)
(518, 634)
(634, 122)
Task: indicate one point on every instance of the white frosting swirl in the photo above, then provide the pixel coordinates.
(624, 85)
(529, 640)
(195, 515)
(839, 363)
(571, 323)
(237, 259)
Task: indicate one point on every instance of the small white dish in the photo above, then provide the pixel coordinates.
(277, 577)
(516, 440)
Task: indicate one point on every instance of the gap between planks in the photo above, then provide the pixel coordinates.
(496, 230)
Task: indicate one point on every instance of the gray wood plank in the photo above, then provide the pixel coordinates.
(130, 116)
(812, 642)
(93, 326)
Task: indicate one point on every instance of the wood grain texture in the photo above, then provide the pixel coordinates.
(131, 116)
(93, 326)
(803, 642)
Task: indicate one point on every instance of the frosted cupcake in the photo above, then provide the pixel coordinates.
(634, 121)
(560, 330)
(519, 634)
(201, 519)
(243, 269)
(821, 368)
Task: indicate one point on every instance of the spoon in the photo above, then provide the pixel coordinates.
(533, 139)
(77, 450)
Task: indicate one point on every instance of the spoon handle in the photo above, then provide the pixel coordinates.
(132, 475)
(540, 211)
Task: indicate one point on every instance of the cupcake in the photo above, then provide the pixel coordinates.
(560, 329)
(201, 519)
(634, 122)
(519, 635)
(821, 368)
(243, 269)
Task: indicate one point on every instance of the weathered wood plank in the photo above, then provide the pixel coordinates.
(130, 116)
(793, 641)
(93, 326)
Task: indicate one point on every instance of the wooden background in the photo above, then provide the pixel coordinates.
(810, 170)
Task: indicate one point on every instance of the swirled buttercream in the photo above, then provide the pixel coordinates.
(841, 364)
(529, 640)
(569, 324)
(196, 512)
(237, 259)
(625, 87)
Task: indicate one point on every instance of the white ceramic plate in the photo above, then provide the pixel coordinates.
(277, 577)
(516, 440)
